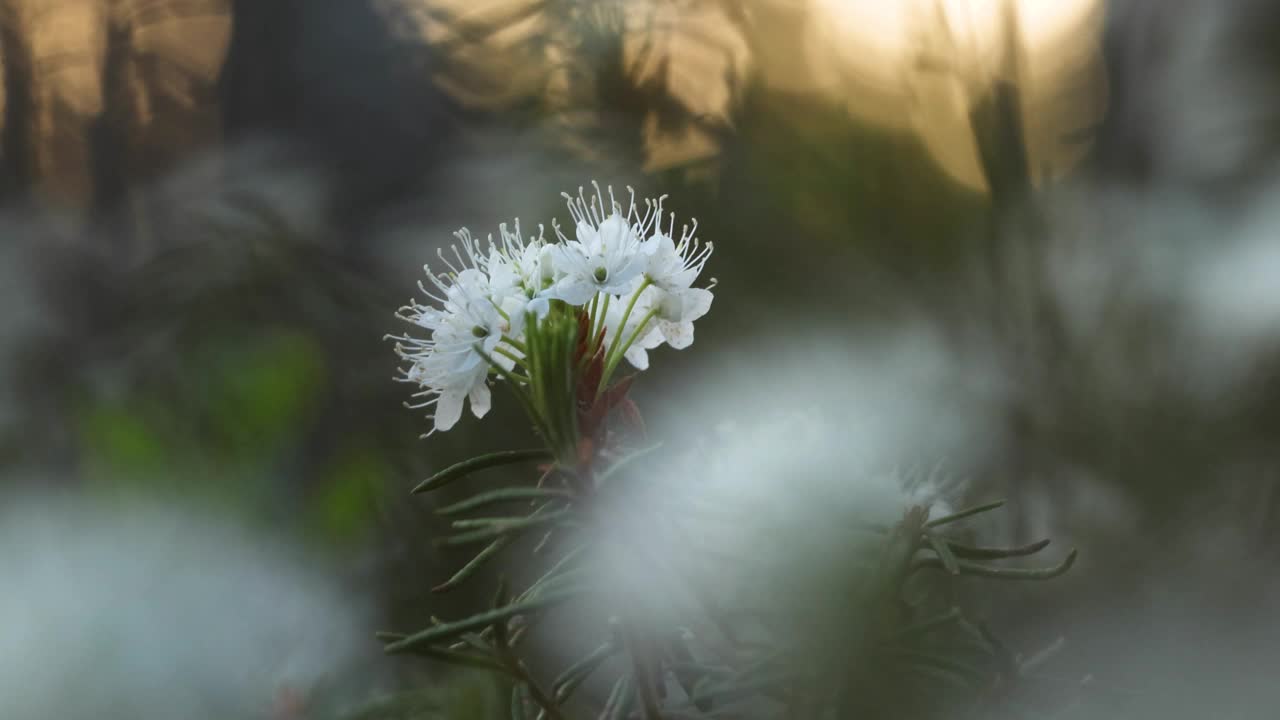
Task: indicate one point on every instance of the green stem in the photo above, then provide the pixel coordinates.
(501, 312)
(595, 325)
(592, 315)
(533, 359)
(507, 353)
(643, 674)
(518, 376)
(598, 325)
(609, 360)
(519, 391)
(626, 314)
(539, 696)
(516, 668)
(619, 350)
(515, 344)
(504, 372)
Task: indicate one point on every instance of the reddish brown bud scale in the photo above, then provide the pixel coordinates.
(631, 415)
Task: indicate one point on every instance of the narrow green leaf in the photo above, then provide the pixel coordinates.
(688, 672)
(477, 562)
(505, 527)
(986, 571)
(504, 495)
(449, 631)
(487, 522)
(463, 659)
(991, 553)
(945, 555)
(981, 639)
(623, 462)
(1042, 656)
(577, 577)
(499, 627)
(521, 631)
(476, 641)
(578, 672)
(965, 513)
(502, 595)
(551, 574)
(519, 702)
(466, 467)
(620, 699)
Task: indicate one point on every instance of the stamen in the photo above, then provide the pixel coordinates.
(598, 203)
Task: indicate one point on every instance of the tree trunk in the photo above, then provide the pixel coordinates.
(16, 138)
(256, 87)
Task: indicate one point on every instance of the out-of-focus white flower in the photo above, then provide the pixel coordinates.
(102, 600)
(608, 254)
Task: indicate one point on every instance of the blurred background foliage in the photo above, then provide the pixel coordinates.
(214, 206)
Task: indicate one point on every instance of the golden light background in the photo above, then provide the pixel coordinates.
(910, 65)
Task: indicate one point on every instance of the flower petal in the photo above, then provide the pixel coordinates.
(480, 399)
(573, 291)
(448, 409)
(678, 335)
(637, 356)
(697, 301)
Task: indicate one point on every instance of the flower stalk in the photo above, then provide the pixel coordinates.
(553, 319)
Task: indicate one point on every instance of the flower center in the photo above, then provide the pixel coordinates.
(480, 331)
(601, 274)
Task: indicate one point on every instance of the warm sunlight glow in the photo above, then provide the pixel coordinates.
(919, 64)
(888, 33)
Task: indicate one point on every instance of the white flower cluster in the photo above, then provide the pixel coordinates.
(624, 269)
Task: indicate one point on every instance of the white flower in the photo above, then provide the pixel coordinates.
(677, 311)
(447, 376)
(670, 266)
(466, 330)
(520, 268)
(608, 253)
(670, 271)
(621, 274)
(638, 353)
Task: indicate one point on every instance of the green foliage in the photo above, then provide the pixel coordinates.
(121, 441)
(342, 509)
(845, 643)
(259, 397)
(221, 440)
